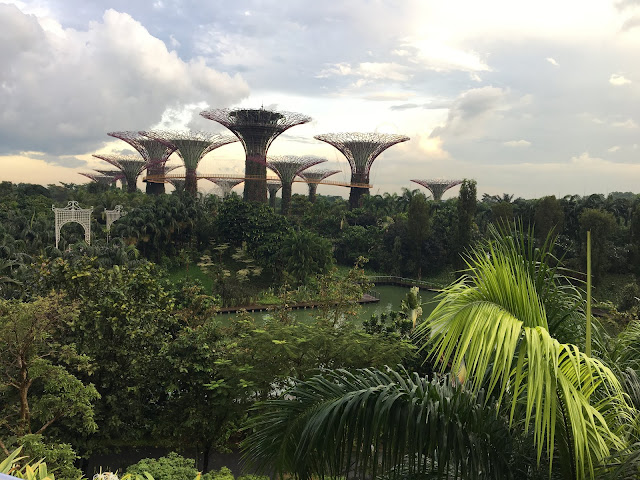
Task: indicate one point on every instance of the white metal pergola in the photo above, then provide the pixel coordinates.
(72, 213)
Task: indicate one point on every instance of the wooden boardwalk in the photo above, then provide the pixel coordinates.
(366, 298)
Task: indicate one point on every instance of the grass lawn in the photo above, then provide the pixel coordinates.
(193, 273)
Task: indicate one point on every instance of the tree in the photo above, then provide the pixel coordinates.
(601, 224)
(38, 386)
(466, 213)
(304, 255)
(549, 217)
(418, 228)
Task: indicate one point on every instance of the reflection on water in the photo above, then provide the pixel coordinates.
(390, 298)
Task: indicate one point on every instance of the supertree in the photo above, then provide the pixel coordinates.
(130, 166)
(273, 186)
(438, 187)
(313, 177)
(98, 178)
(256, 129)
(360, 149)
(192, 147)
(154, 152)
(116, 174)
(225, 184)
(287, 167)
(159, 176)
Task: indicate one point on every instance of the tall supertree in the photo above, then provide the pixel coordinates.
(130, 166)
(287, 167)
(225, 184)
(313, 177)
(154, 152)
(360, 149)
(273, 186)
(256, 129)
(192, 147)
(438, 187)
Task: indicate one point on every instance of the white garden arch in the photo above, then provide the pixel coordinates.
(73, 213)
(113, 215)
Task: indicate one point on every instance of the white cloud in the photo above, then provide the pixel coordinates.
(553, 61)
(627, 124)
(441, 56)
(618, 80)
(63, 89)
(613, 149)
(517, 143)
(368, 71)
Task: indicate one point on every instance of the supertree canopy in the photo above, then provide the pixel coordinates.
(287, 167)
(130, 166)
(225, 184)
(115, 174)
(153, 151)
(313, 177)
(178, 183)
(360, 149)
(272, 187)
(192, 147)
(438, 187)
(256, 129)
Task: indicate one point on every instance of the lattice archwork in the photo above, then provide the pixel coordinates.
(113, 215)
(72, 213)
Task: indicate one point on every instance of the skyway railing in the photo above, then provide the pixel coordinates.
(402, 281)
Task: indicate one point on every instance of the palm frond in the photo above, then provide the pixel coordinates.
(494, 320)
(371, 423)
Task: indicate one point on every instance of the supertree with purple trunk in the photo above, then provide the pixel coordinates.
(130, 166)
(256, 129)
(154, 152)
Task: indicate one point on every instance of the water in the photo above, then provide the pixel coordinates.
(390, 298)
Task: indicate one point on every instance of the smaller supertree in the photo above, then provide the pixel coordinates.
(159, 176)
(313, 178)
(154, 152)
(225, 184)
(101, 179)
(178, 183)
(130, 166)
(287, 167)
(115, 174)
(273, 186)
(192, 147)
(360, 150)
(438, 187)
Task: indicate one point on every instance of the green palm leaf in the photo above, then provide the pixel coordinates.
(371, 423)
(494, 320)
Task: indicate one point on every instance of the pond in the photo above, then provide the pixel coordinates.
(390, 298)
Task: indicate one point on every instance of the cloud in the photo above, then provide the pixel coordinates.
(517, 143)
(368, 71)
(552, 61)
(63, 89)
(628, 123)
(613, 149)
(618, 80)
(441, 56)
(388, 96)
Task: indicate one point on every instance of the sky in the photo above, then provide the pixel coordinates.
(527, 98)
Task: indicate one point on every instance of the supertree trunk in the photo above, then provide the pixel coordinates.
(356, 193)
(191, 182)
(155, 188)
(255, 189)
(286, 198)
(313, 188)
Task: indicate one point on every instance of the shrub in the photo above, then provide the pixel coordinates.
(171, 467)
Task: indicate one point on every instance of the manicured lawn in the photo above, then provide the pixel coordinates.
(194, 272)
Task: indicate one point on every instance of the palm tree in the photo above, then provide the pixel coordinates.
(497, 323)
